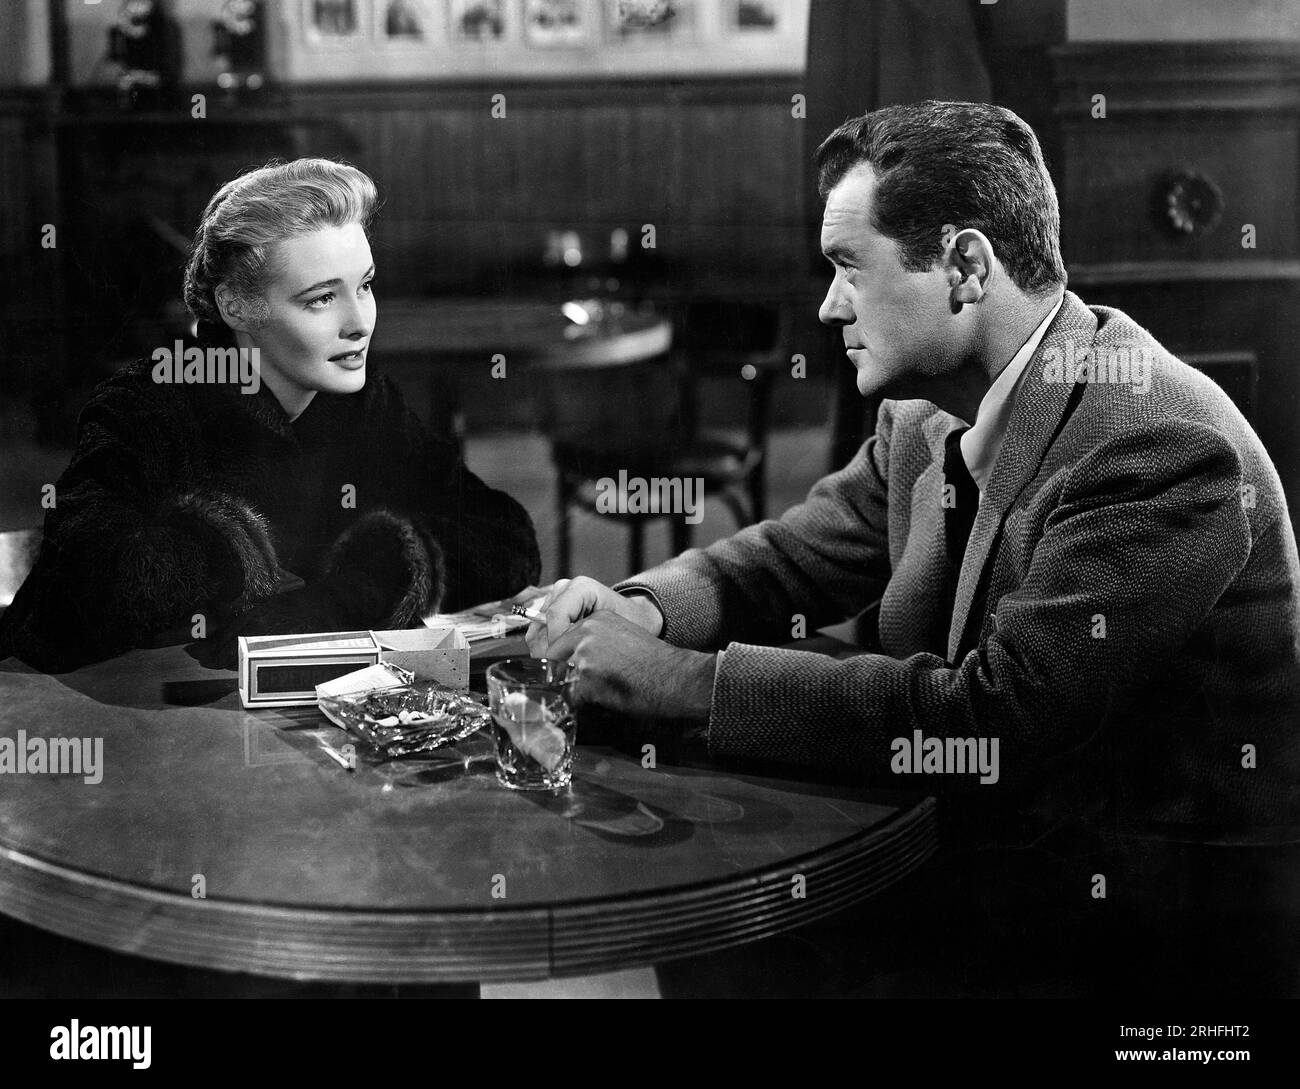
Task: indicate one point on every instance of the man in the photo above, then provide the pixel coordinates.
(1088, 596)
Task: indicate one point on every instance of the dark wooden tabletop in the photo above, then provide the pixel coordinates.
(402, 872)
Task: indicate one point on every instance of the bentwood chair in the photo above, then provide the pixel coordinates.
(644, 419)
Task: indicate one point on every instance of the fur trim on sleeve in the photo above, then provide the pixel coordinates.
(244, 531)
(400, 556)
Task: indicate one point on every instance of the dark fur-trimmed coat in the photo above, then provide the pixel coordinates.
(199, 499)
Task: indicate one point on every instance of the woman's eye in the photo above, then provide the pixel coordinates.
(368, 286)
(321, 301)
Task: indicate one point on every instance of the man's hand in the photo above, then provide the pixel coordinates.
(623, 668)
(572, 600)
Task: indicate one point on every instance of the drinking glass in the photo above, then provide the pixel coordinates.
(532, 722)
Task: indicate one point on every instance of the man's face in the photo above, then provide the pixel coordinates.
(321, 311)
(898, 326)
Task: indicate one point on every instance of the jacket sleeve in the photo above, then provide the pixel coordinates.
(129, 548)
(825, 560)
(487, 544)
(1149, 552)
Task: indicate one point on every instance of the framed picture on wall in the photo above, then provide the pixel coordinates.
(648, 21)
(477, 20)
(756, 16)
(404, 22)
(333, 22)
(337, 40)
(557, 22)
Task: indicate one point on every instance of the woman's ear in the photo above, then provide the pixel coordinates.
(237, 311)
(968, 264)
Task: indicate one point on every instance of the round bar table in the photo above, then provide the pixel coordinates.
(532, 331)
(230, 839)
(432, 343)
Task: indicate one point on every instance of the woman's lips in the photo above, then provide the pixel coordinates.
(350, 360)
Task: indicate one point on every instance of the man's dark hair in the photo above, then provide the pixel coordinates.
(965, 163)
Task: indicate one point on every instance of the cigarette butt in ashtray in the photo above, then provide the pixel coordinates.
(531, 728)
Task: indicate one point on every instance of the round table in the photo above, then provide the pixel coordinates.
(444, 349)
(532, 331)
(229, 839)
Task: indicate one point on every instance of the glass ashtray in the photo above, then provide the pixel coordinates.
(408, 721)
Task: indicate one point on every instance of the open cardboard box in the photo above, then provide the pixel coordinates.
(439, 653)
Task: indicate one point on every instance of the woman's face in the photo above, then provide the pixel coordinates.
(320, 315)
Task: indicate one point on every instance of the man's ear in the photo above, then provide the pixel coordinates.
(968, 263)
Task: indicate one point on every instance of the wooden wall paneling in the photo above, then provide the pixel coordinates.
(713, 174)
(1111, 186)
(1229, 111)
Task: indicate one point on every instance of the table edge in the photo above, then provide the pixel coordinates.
(498, 943)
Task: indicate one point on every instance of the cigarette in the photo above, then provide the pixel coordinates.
(342, 760)
(529, 613)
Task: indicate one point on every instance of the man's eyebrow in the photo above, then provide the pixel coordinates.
(329, 283)
(831, 253)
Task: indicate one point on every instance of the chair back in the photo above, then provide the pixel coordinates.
(733, 338)
(625, 410)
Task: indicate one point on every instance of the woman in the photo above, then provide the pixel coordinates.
(196, 494)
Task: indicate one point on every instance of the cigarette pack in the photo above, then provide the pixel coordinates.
(284, 670)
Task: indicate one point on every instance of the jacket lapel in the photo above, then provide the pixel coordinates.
(1039, 408)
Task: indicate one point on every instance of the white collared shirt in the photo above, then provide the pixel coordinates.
(980, 445)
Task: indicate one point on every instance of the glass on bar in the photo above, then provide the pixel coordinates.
(532, 722)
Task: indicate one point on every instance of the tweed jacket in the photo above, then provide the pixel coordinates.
(185, 499)
(1124, 620)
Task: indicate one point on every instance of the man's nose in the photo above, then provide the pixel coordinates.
(835, 308)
